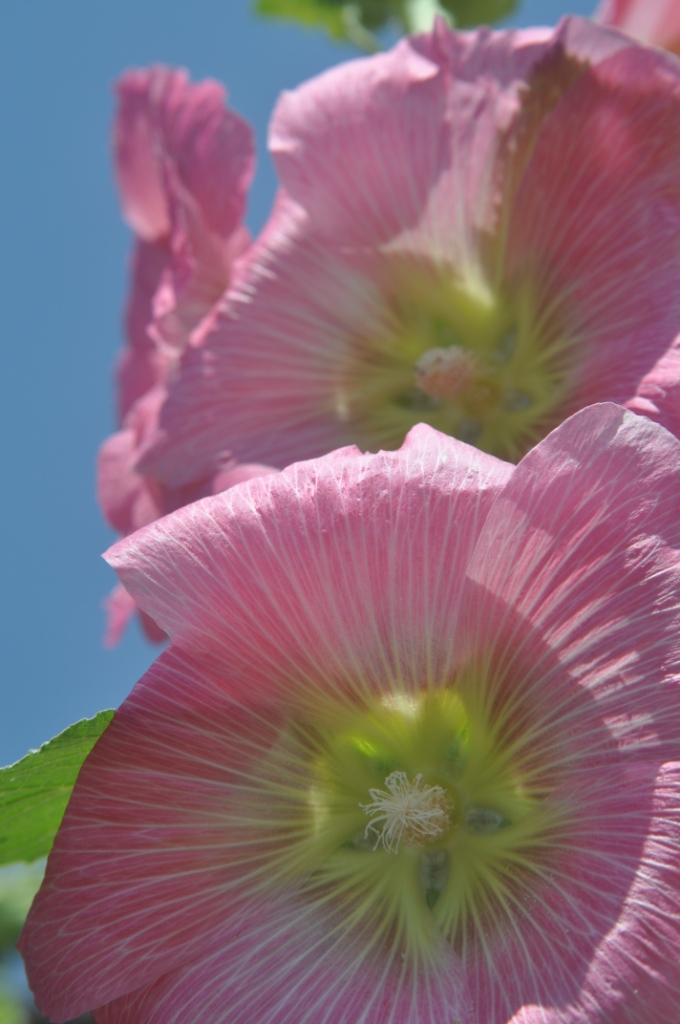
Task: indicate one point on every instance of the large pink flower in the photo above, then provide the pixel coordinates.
(481, 231)
(412, 756)
(651, 21)
(184, 164)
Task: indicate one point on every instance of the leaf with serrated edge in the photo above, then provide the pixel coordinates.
(34, 792)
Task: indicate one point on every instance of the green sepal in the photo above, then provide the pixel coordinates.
(34, 792)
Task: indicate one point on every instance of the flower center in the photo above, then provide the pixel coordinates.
(412, 814)
(495, 370)
(406, 812)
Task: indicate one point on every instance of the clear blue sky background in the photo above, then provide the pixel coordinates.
(63, 252)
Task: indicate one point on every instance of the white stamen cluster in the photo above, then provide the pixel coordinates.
(407, 812)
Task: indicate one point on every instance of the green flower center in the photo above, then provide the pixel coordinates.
(412, 816)
(490, 368)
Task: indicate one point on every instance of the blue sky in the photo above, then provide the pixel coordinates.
(63, 270)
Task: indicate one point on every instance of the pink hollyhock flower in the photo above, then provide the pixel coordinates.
(651, 21)
(478, 230)
(412, 756)
(184, 165)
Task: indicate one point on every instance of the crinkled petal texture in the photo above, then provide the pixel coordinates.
(204, 870)
(510, 199)
(651, 21)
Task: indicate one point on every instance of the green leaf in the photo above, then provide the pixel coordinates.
(468, 13)
(18, 885)
(358, 20)
(308, 12)
(34, 791)
(11, 1009)
(351, 20)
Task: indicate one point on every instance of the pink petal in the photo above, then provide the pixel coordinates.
(651, 21)
(633, 975)
(142, 364)
(442, 100)
(658, 393)
(146, 867)
(593, 930)
(162, 116)
(575, 569)
(263, 381)
(153, 633)
(544, 153)
(330, 137)
(598, 206)
(632, 979)
(333, 588)
(184, 165)
(235, 474)
(139, 177)
(125, 497)
(589, 531)
(130, 501)
(283, 967)
(119, 607)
